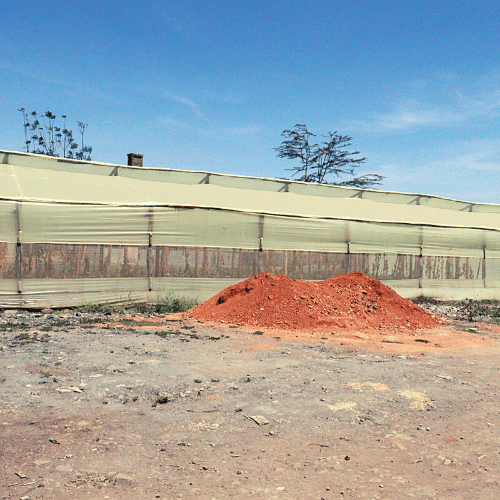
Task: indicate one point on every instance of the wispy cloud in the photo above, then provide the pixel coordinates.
(95, 89)
(463, 170)
(411, 115)
(479, 156)
(439, 102)
(242, 131)
(163, 92)
(186, 24)
(71, 86)
(181, 125)
(170, 122)
(193, 106)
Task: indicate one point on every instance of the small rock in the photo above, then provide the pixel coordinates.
(40, 462)
(123, 479)
(10, 312)
(64, 468)
(46, 311)
(258, 419)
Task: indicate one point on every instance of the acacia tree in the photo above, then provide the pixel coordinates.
(45, 138)
(326, 162)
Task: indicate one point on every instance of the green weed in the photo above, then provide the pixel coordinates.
(168, 303)
(470, 309)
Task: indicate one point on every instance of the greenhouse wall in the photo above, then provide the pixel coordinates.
(74, 232)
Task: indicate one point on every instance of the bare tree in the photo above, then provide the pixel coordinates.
(325, 162)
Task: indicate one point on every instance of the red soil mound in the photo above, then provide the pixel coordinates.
(349, 301)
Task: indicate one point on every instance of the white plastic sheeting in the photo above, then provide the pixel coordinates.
(75, 232)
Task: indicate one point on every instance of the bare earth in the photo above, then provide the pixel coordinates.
(346, 416)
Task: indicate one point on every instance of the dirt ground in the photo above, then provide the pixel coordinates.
(97, 407)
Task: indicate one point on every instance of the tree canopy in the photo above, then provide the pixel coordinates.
(325, 162)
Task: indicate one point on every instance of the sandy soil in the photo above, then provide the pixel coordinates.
(355, 415)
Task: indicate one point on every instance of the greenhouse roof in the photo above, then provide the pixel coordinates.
(37, 178)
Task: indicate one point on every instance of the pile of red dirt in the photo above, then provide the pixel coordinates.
(350, 301)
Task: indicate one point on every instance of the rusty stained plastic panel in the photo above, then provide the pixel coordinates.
(8, 263)
(49, 260)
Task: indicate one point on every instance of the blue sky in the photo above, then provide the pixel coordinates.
(210, 85)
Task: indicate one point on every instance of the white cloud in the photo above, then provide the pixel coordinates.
(439, 102)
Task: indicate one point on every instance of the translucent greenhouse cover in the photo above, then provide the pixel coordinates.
(112, 232)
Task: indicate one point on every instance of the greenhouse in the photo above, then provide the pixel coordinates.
(74, 232)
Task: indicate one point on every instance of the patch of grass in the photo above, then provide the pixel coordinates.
(164, 397)
(168, 303)
(26, 338)
(470, 309)
(105, 308)
(46, 328)
(14, 326)
(171, 303)
(132, 322)
(258, 332)
(61, 323)
(168, 333)
(23, 336)
(90, 321)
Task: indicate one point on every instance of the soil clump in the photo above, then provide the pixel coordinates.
(351, 301)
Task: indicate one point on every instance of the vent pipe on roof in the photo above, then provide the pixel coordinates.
(135, 160)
